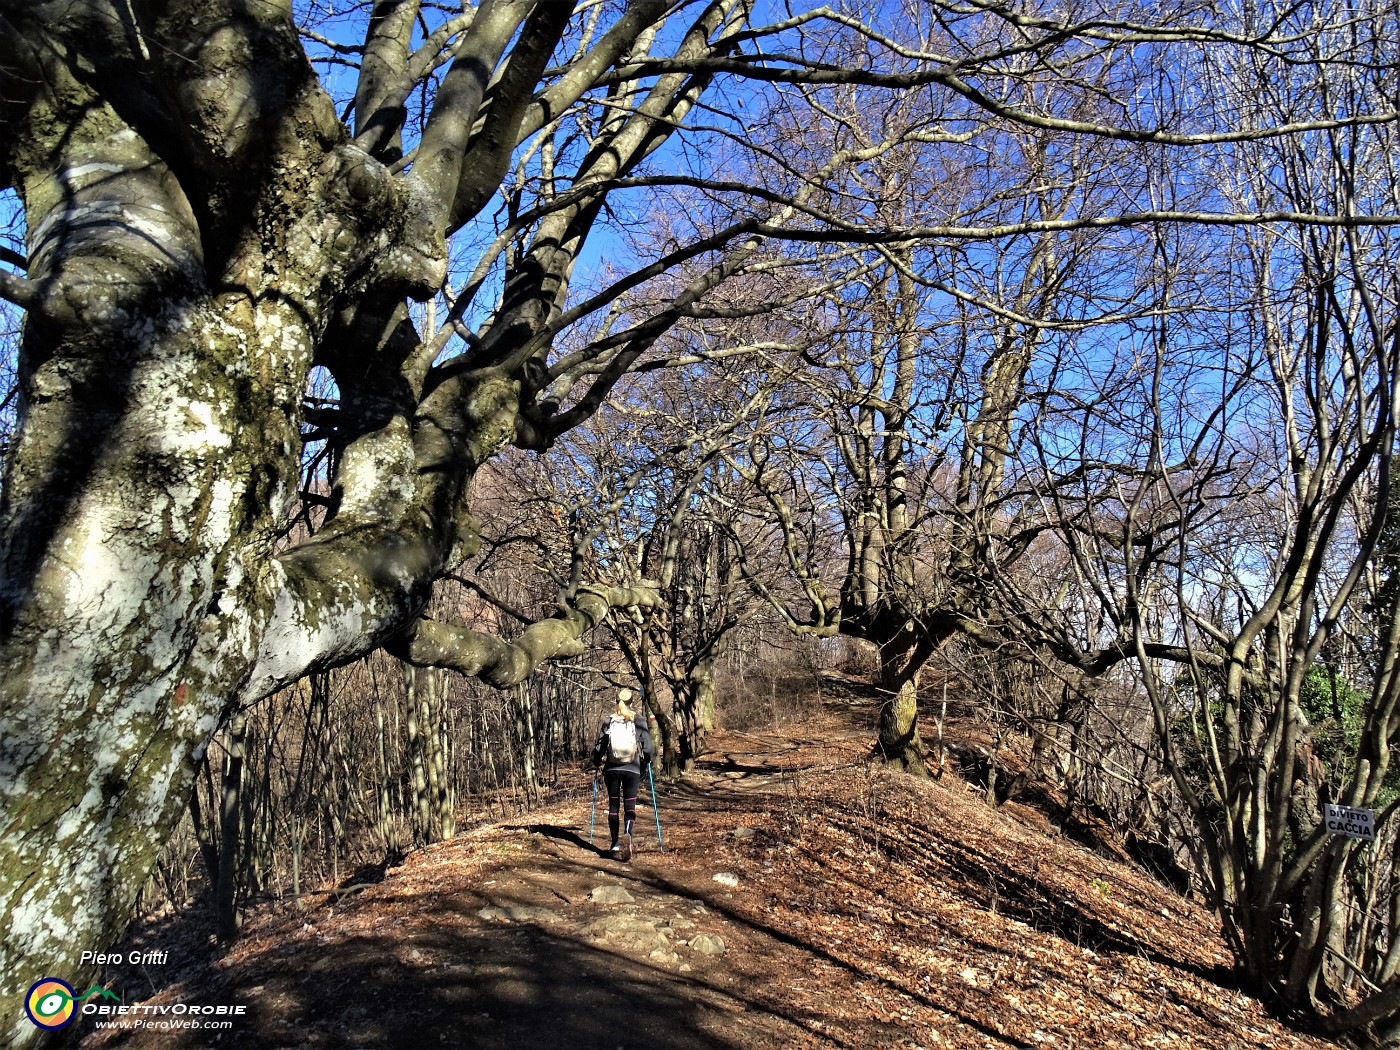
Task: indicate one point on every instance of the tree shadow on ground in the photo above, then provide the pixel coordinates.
(568, 835)
(857, 973)
(518, 987)
(499, 986)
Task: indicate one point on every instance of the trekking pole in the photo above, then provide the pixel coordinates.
(593, 808)
(654, 810)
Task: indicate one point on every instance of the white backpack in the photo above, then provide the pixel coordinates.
(622, 741)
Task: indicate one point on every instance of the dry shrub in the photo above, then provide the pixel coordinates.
(767, 694)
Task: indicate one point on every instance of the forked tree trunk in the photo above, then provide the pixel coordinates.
(695, 712)
(898, 743)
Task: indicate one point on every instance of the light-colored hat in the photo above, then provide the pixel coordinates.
(624, 706)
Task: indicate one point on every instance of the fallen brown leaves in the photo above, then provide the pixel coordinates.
(870, 910)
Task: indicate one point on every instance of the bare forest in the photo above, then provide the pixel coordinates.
(385, 385)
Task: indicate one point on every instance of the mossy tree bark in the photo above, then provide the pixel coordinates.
(202, 231)
(902, 658)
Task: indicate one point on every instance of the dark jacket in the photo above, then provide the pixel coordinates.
(600, 747)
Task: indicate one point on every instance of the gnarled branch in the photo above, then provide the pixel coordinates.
(430, 643)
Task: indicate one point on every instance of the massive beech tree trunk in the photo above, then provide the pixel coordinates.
(902, 658)
(164, 359)
(202, 230)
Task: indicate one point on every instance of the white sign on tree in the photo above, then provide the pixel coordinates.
(1346, 820)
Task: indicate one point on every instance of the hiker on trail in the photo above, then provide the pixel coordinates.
(622, 750)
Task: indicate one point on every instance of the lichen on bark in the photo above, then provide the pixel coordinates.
(501, 663)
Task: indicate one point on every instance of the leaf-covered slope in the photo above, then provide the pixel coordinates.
(854, 908)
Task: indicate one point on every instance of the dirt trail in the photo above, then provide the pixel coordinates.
(802, 899)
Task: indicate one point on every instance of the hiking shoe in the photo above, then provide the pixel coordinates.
(613, 851)
(627, 847)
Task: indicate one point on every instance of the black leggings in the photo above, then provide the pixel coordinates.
(622, 787)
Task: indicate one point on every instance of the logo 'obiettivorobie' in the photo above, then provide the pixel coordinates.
(51, 1003)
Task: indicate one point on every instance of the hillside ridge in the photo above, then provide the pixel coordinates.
(802, 898)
